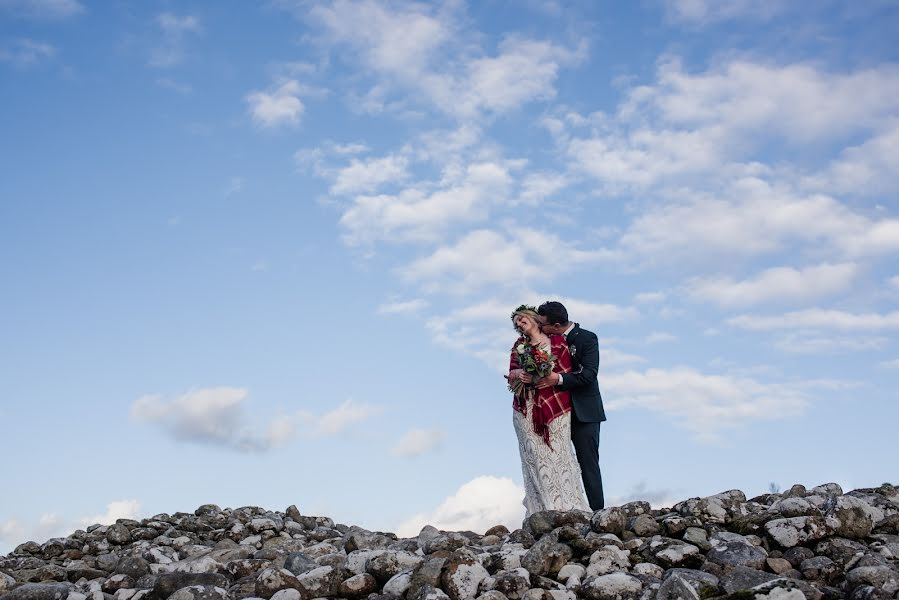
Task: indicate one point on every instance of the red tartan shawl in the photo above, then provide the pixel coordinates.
(550, 402)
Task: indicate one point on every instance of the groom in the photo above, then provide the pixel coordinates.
(587, 412)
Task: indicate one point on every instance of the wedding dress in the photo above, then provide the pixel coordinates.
(552, 476)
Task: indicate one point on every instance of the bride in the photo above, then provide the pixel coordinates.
(542, 420)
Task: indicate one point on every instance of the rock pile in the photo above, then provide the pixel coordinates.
(803, 543)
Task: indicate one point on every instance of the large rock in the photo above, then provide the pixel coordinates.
(39, 591)
(461, 578)
(880, 577)
(200, 592)
(273, 580)
(674, 553)
(546, 557)
(167, 584)
(687, 583)
(731, 549)
(322, 582)
(741, 579)
(855, 518)
(615, 586)
(358, 586)
(793, 531)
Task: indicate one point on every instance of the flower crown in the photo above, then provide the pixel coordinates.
(522, 308)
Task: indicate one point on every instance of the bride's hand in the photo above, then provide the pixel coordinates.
(524, 376)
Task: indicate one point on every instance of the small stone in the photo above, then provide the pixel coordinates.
(358, 586)
(778, 565)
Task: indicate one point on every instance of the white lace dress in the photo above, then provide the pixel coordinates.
(552, 476)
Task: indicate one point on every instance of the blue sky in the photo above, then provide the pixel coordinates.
(265, 253)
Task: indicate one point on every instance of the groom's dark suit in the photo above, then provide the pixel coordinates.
(587, 411)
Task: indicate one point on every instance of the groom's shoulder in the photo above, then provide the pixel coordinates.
(586, 332)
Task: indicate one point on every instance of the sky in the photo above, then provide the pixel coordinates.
(265, 253)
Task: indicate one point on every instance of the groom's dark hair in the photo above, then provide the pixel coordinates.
(554, 312)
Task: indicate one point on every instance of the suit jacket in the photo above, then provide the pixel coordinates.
(586, 400)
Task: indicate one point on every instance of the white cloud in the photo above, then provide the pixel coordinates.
(170, 51)
(280, 106)
(711, 125)
(650, 297)
(701, 12)
(11, 532)
(524, 70)
(780, 284)
(806, 342)
(42, 9)
(658, 337)
(343, 416)
(488, 258)
(211, 415)
(756, 218)
(417, 214)
(416, 442)
(404, 307)
(816, 318)
(24, 53)
(367, 176)
(426, 51)
(867, 169)
(476, 506)
(303, 423)
(119, 509)
(890, 364)
(537, 187)
(178, 25)
(706, 405)
(894, 281)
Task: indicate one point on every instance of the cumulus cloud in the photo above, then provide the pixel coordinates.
(278, 106)
(781, 284)
(706, 405)
(702, 127)
(366, 176)
(817, 318)
(119, 509)
(308, 425)
(489, 258)
(416, 442)
(216, 416)
(476, 506)
(425, 50)
(417, 214)
(810, 342)
(659, 337)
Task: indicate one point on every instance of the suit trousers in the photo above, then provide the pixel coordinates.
(585, 437)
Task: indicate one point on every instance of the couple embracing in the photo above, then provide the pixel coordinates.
(557, 405)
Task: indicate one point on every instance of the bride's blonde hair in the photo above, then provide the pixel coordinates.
(525, 311)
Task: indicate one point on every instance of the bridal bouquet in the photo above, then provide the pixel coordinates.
(536, 361)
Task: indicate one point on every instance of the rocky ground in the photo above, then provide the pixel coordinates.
(803, 543)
